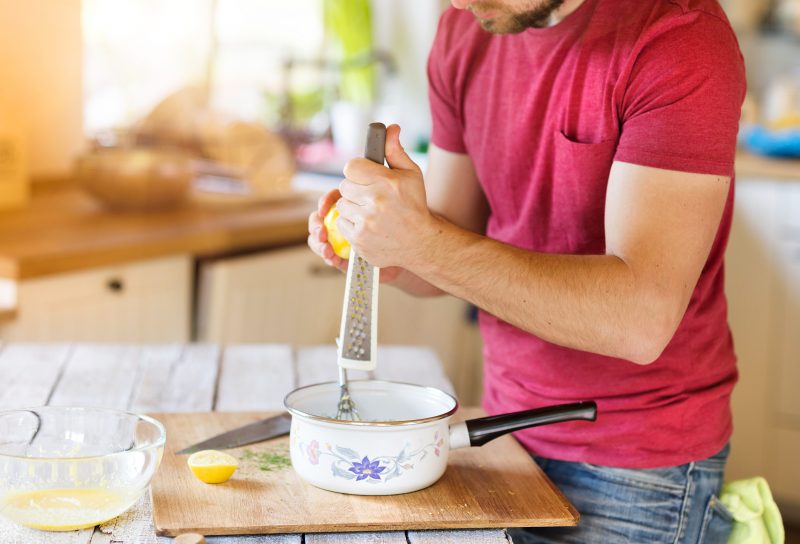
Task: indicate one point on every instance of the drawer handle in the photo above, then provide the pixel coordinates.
(115, 285)
(323, 271)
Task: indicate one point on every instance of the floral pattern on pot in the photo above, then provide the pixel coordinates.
(351, 465)
(313, 452)
(366, 469)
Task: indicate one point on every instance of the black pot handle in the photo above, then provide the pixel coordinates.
(484, 429)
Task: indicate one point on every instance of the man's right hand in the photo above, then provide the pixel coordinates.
(318, 235)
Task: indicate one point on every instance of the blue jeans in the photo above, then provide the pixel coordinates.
(665, 505)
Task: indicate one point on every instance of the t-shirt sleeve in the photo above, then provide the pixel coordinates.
(447, 132)
(681, 108)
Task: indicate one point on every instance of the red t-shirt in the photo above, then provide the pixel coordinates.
(543, 114)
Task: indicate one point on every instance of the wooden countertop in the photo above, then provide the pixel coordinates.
(64, 229)
(749, 165)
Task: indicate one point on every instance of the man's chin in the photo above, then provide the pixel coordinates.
(514, 23)
(500, 26)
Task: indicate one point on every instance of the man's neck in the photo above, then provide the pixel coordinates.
(561, 13)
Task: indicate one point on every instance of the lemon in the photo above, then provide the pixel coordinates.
(338, 242)
(212, 466)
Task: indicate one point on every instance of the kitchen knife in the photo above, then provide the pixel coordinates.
(248, 434)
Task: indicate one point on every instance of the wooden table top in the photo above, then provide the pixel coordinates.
(64, 229)
(195, 378)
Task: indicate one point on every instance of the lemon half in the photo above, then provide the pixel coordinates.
(338, 242)
(212, 466)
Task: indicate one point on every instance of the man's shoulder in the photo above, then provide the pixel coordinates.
(638, 17)
(708, 7)
(635, 26)
(696, 15)
(651, 11)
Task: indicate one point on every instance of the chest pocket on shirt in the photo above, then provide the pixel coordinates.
(580, 178)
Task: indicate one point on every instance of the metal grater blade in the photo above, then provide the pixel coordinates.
(359, 320)
(359, 329)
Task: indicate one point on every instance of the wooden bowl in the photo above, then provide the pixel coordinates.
(136, 179)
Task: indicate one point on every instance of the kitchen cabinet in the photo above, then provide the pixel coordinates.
(144, 301)
(72, 270)
(763, 289)
(291, 296)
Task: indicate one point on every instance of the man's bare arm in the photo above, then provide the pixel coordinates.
(455, 195)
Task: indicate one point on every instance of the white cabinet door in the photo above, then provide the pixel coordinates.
(290, 296)
(284, 296)
(763, 289)
(787, 305)
(784, 345)
(748, 286)
(146, 301)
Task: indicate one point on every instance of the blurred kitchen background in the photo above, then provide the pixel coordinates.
(159, 158)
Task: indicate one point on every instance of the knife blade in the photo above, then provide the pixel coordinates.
(247, 434)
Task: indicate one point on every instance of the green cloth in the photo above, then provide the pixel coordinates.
(756, 516)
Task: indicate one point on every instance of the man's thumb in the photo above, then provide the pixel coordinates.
(396, 156)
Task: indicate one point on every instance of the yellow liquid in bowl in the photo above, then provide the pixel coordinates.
(65, 509)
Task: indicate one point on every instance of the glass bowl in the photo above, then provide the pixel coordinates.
(63, 469)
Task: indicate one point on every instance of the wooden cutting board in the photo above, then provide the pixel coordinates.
(493, 486)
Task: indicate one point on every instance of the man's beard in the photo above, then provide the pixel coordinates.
(514, 23)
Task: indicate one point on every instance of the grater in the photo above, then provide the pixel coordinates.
(359, 329)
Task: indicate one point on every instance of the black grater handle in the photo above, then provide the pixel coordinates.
(376, 143)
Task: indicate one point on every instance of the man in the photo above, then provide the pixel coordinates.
(579, 193)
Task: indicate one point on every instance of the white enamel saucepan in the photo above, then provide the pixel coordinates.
(403, 440)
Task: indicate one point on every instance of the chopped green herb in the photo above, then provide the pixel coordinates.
(268, 460)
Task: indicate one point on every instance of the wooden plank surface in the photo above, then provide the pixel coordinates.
(474, 536)
(496, 485)
(63, 229)
(98, 375)
(28, 373)
(14, 534)
(388, 537)
(255, 377)
(176, 379)
(192, 378)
